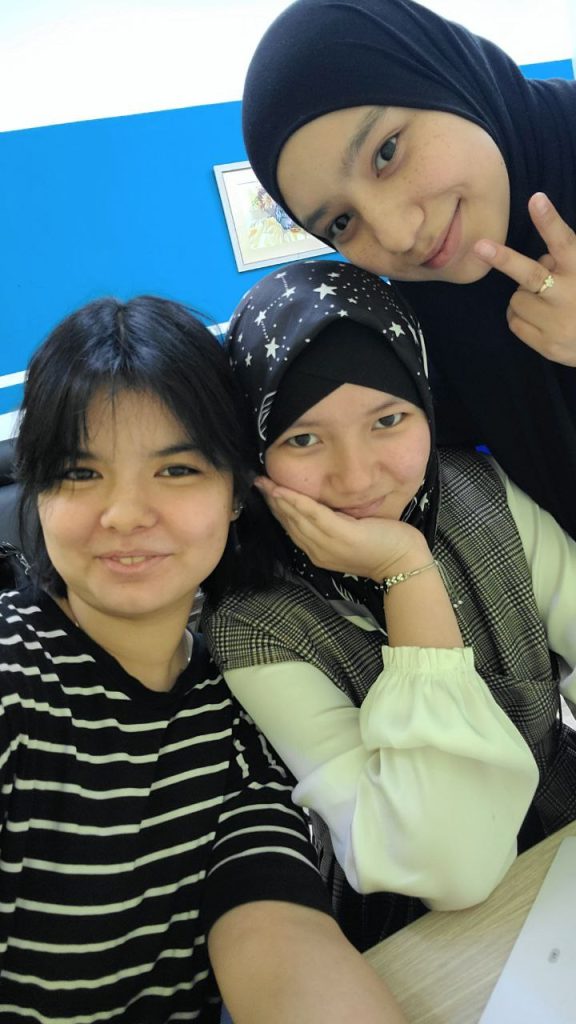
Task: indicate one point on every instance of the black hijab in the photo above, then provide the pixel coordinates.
(325, 55)
(270, 338)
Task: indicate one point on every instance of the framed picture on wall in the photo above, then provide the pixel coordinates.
(262, 234)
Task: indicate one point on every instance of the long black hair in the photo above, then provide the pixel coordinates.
(147, 345)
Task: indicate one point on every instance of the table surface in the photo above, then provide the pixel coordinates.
(443, 967)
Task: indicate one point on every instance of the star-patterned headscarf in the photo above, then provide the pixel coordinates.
(276, 321)
(323, 367)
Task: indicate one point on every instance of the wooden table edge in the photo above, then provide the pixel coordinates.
(443, 967)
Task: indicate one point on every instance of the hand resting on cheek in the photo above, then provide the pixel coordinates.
(368, 547)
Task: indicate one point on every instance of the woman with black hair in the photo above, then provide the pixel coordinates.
(149, 853)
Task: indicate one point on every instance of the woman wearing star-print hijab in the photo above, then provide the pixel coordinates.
(401, 656)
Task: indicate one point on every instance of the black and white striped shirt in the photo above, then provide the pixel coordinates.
(131, 820)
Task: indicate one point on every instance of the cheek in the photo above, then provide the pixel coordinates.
(60, 522)
(203, 521)
(366, 253)
(370, 256)
(481, 167)
(421, 454)
(413, 458)
(297, 474)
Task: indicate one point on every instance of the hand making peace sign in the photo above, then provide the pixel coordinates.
(542, 312)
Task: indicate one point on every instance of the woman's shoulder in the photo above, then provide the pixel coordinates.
(466, 474)
(17, 604)
(283, 622)
(254, 626)
(257, 605)
(28, 634)
(465, 460)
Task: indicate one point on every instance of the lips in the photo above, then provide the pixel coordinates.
(363, 511)
(131, 559)
(135, 562)
(445, 249)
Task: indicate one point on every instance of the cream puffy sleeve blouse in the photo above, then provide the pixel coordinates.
(425, 786)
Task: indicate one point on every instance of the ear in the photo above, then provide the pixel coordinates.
(236, 510)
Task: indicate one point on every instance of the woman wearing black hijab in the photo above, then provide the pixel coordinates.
(399, 659)
(421, 153)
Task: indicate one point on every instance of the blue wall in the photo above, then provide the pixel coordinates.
(119, 206)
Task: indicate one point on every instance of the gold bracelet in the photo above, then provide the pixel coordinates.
(390, 581)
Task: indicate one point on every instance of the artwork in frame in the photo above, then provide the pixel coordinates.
(262, 234)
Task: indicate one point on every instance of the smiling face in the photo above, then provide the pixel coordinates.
(140, 517)
(359, 451)
(404, 193)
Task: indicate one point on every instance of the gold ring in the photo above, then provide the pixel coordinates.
(549, 282)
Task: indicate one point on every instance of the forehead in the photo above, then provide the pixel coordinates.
(350, 399)
(136, 417)
(323, 150)
(336, 126)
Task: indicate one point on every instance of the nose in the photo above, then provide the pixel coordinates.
(354, 474)
(127, 509)
(393, 218)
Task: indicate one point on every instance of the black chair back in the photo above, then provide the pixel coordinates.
(12, 563)
(9, 495)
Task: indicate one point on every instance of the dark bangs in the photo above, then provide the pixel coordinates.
(147, 345)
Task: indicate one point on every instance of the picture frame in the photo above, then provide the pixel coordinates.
(261, 232)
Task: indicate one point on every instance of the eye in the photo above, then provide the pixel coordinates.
(337, 227)
(178, 471)
(386, 153)
(76, 474)
(392, 420)
(302, 441)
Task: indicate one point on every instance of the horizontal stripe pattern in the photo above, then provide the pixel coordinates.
(132, 821)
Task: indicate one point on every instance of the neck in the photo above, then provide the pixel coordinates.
(154, 650)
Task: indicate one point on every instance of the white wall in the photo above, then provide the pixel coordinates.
(72, 60)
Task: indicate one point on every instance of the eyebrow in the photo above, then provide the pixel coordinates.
(359, 138)
(179, 449)
(351, 152)
(161, 453)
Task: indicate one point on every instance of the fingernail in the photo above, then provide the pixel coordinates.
(541, 202)
(485, 249)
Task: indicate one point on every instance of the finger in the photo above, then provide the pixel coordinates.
(298, 504)
(323, 533)
(548, 261)
(268, 487)
(313, 541)
(558, 235)
(305, 526)
(529, 274)
(536, 309)
(556, 344)
(264, 485)
(297, 530)
(284, 498)
(530, 335)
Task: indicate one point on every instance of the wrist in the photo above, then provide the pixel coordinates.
(391, 581)
(418, 555)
